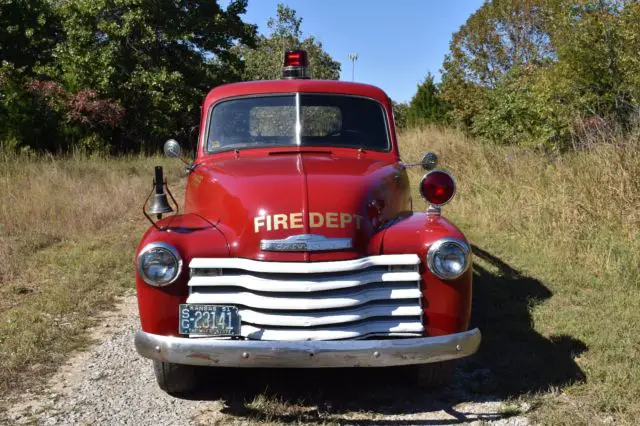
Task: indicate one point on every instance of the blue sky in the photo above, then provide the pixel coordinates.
(398, 42)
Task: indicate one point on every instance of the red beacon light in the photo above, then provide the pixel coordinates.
(296, 65)
(437, 187)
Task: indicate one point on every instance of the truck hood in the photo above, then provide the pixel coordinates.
(287, 194)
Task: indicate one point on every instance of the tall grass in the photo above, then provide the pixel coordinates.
(69, 227)
(585, 205)
(573, 222)
(68, 230)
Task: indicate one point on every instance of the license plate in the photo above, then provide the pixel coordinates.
(212, 320)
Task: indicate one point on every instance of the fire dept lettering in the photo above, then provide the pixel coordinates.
(334, 220)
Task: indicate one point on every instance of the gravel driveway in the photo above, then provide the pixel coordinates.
(111, 384)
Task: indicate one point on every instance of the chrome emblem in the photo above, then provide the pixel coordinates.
(306, 242)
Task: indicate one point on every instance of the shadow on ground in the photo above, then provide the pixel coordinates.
(513, 360)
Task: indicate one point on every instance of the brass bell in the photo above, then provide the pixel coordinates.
(159, 205)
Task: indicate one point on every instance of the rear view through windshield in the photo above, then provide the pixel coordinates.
(324, 120)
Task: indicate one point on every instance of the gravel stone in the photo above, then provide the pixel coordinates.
(110, 384)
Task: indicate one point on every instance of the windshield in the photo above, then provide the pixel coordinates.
(325, 120)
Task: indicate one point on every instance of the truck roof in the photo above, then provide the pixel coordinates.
(292, 86)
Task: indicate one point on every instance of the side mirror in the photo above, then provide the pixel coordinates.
(429, 161)
(172, 149)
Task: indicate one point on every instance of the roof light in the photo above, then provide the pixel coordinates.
(296, 65)
(437, 187)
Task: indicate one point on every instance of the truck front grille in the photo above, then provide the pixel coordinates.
(351, 299)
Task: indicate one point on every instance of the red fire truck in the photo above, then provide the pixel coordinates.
(298, 246)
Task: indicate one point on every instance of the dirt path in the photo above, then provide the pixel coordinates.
(111, 384)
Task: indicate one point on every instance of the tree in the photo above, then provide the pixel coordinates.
(426, 106)
(498, 36)
(29, 31)
(530, 107)
(264, 62)
(593, 40)
(400, 113)
(156, 60)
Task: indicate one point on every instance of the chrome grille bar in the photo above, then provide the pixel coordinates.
(297, 285)
(305, 267)
(314, 319)
(287, 301)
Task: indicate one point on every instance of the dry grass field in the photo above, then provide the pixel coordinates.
(557, 275)
(68, 232)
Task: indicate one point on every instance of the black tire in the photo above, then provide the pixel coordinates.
(175, 379)
(435, 375)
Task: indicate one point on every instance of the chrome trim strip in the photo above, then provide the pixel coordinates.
(306, 242)
(298, 122)
(305, 267)
(251, 282)
(306, 354)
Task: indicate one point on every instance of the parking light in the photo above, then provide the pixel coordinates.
(437, 187)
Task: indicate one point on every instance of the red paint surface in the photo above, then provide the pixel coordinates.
(227, 190)
(234, 191)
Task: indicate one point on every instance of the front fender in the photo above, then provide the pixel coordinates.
(193, 237)
(446, 304)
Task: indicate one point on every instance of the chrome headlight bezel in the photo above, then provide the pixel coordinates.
(434, 251)
(168, 248)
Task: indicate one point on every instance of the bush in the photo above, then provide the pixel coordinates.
(527, 108)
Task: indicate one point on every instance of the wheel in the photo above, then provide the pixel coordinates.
(175, 379)
(434, 375)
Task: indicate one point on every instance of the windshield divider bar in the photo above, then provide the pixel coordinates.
(298, 124)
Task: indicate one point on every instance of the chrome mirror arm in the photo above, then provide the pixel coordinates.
(428, 162)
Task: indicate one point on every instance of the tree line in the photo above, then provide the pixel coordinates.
(545, 73)
(124, 75)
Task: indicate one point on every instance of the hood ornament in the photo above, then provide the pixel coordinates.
(306, 242)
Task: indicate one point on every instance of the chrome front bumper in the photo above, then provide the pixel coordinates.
(306, 354)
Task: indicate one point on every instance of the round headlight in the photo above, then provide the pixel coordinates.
(448, 258)
(159, 264)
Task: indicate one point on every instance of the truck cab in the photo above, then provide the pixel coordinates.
(297, 246)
